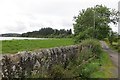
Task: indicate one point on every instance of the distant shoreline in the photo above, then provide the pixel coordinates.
(19, 38)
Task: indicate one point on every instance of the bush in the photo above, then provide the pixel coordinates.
(93, 45)
(58, 72)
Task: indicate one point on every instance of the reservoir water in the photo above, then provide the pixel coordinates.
(18, 38)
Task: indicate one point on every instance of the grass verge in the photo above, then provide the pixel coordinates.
(104, 71)
(115, 45)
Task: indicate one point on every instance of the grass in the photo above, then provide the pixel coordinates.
(114, 46)
(104, 71)
(13, 46)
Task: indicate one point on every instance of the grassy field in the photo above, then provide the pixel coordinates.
(13, 46)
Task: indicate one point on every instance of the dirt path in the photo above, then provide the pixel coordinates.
(114, 57)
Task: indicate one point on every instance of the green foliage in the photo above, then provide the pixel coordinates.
(13, 46)
(84, 66)
(78, 67)
(95, 68)
(115, 44)
(90, 48)
(114, 41)
(104, 68)
(0, 46)
(48, 33)
(113, 37)
(92, 23)
(93, 45)
(89, 68)
(119, 46)
(82, 36)
(57, 71)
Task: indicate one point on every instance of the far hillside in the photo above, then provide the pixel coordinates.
(49, 33)
(11, 35)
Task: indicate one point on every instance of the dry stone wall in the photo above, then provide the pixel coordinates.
(23, 64)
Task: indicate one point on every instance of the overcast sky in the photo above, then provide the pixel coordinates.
(18, 16)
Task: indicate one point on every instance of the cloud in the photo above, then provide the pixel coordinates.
(28, 15)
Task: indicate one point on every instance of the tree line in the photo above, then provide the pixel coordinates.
(49, 33)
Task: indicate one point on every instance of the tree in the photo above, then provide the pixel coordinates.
(113, 37)
(69, 32)
(92, 23)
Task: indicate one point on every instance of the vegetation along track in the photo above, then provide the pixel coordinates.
(114, 58)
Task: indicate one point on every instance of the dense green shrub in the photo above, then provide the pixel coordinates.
(93, 45)
(56, 72)
(82, 36)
